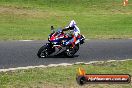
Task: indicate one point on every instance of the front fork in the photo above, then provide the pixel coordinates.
(50, 48)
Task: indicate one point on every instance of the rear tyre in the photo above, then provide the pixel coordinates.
(43, 52)
(76, 48)
(71, 51)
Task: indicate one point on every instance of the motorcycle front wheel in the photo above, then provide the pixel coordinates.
(43, 52)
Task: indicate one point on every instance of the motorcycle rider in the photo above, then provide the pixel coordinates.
(75, 32)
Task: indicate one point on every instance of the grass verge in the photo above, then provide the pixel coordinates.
(63, 76)
(31, 19)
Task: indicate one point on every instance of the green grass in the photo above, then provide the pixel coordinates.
(52, 77)
(31, 19)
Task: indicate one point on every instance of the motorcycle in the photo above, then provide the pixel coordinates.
(57, 44)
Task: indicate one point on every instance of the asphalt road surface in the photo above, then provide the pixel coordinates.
(23, 53)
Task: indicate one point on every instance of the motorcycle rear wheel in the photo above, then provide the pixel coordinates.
(71, 51)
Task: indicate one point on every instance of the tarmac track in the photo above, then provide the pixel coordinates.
(23, 53)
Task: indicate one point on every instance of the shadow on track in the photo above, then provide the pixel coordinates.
(61, 56)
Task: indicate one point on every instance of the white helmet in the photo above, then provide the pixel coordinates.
(72, 23)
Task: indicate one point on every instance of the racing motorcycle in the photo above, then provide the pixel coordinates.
(57, 44)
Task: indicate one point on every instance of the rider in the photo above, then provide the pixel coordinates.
(72, 27)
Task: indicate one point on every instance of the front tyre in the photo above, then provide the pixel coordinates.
(43, 52)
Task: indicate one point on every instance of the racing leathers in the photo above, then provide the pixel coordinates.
(75, 33)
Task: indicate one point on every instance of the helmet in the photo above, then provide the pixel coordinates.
(72, 23)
